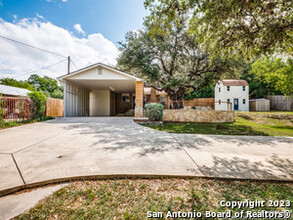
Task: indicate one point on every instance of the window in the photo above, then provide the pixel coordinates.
(125, 97)
(228, 100)
(228, 88)
(219, 89)
(220, 102)
(243, 101)
(243, 88)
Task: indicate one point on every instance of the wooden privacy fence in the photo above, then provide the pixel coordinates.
(280, 102)
(202, 102)
(54, 107)
(15, 108)
(198, 102)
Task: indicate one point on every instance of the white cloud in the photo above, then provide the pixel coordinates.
(16, 59)
(64, 0)
(40, 16)
(79, 29)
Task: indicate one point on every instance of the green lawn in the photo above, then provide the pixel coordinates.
(132, 199)
(248, 123)
(10, 124)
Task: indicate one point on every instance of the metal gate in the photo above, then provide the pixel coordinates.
(14, 108)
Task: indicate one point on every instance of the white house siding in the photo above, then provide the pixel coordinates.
(236, 92)
(76, 100)
(98, 73)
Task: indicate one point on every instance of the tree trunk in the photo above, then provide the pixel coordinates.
(177, 99)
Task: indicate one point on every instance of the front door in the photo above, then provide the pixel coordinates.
(236, 104)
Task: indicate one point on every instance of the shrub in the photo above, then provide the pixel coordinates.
(155, 111)
(39, 107)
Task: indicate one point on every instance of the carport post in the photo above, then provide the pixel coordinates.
(139, 99)
(64, 98)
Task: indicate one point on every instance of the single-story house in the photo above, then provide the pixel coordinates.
(10, 91)
(101, 90)
(232, 95)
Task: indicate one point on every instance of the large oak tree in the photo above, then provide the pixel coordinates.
(246, 28)
(173, 61)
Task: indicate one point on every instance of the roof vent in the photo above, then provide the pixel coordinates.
(100, 70)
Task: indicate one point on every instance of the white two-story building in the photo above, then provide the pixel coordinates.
(232, 95)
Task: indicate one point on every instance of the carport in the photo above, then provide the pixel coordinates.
(101, 90)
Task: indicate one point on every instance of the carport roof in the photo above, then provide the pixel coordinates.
(98, 65)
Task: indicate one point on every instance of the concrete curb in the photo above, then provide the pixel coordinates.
(129, 176)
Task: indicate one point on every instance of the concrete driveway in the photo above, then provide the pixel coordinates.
(73, 148)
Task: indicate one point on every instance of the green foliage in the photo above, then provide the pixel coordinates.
(46, 84)
(155, 111)
(229, 27)
(274, 73)
(206, 92)
(15, 83)
(258, 88)
(39, 100)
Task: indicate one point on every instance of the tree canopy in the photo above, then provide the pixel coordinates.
(174, 61)
(15, 83)
(275, 74)
(47, 85)
(245, 28)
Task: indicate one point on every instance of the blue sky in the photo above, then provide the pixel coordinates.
(112, 18)
(85, 30)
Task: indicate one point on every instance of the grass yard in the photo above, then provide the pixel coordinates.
(10, 124)
(246, 123)
(132, 199)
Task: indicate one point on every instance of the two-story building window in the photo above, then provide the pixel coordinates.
(228, 100)
(228, 88)
(220, 102)
(243, 88)
(243, 101)
(219, 89)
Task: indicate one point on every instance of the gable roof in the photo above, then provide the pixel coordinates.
(10, 90)
(95, 66)
(233, 82)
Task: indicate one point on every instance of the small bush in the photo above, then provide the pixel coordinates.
(155, 111)
(39, 107)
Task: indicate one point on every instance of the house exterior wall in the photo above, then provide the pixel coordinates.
(100, 103)
(98, 73)
(76, 100)
(122, 107)
(236, 92)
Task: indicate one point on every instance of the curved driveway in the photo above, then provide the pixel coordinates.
(73, 148)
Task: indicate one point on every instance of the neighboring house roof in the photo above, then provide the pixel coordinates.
(147, 91)
(95, 66)
(10, 90)
(233, 82)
